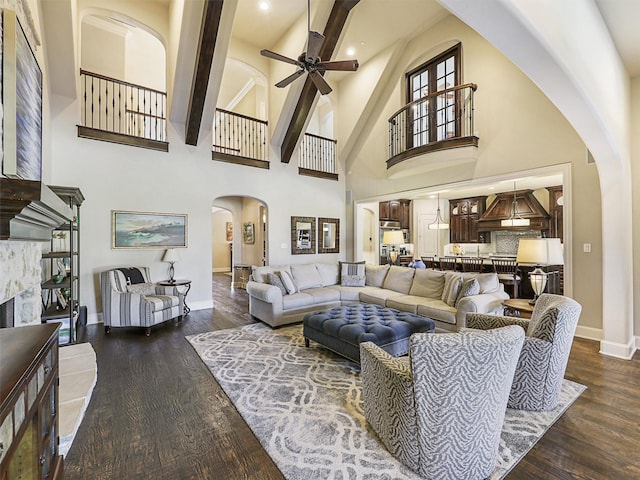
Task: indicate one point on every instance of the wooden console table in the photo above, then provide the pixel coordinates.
(29, 408)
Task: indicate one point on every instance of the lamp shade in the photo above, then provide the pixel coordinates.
(171, 255)
(540, 251)
(393, 237)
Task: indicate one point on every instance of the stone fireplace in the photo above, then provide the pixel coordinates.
(20, 277)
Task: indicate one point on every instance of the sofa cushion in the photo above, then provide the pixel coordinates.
(352, 274)
(489, 282)
(428, 283)
(399, 279)
(296, 300)
(469, 287)
(323, 295)
(287, 280)
(378, 296)
(275, 280)
(306, 276)
(350, 294)
(374, 275)
(328, 273)
(437, 310)
(452, 284)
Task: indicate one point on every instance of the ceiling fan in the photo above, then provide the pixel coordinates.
(310, 62)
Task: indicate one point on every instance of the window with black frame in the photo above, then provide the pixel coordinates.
(436, 117)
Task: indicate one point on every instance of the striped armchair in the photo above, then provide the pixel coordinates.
(441, 411)
(545, 353)
(130, 299)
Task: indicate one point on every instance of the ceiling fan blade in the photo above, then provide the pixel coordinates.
(320, 83)
(313, 46)
(289, 79)
(282, 58)
(344, 65)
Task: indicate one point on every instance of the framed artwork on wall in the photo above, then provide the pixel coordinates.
(328, 235)
(229, 230)
(148, 230)
(248, 233)
(22, 103)
(303, 235)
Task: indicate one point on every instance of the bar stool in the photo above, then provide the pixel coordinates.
(448, 263)
(507, 270)
(430, 262)
(472, 264)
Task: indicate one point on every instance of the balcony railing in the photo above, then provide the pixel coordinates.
(240, 139)
(129, 113)
(318, 156)
(440, 120)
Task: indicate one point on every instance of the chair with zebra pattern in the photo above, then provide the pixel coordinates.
(440, 411)
(543, 361)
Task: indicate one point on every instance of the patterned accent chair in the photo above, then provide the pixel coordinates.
(440, 411)
(543, 361)
(143, 304)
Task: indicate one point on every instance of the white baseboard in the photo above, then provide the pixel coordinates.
(619, 350)
(93, 318)
(221, 270)
(200, 305)
(589, 333)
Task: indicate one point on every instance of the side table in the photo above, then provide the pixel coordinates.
(241, 274)
(518, 307)
(179, 283)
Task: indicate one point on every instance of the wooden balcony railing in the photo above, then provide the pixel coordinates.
(240, 139)
(124, 112)
(318, 157)
(438, 121)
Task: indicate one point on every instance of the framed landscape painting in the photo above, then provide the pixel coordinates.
(148, 230)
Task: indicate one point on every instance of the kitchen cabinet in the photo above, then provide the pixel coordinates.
(396, 211)
(556, 204)
(464, 214)
(61, 269)
(29, 399)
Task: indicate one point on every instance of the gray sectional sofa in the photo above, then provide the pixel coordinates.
(445, 297)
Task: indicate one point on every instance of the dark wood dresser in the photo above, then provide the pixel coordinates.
(29, 403)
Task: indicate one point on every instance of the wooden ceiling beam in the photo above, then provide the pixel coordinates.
(332, 32)
(202, 69)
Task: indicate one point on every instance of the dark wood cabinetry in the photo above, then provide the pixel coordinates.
(556, 203)
(464, 214)
(396, 211)
(29, 403)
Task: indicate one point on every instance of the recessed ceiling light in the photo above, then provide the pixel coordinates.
(351, 51)
(264, 5)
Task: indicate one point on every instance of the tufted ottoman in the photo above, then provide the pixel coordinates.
(341, 329)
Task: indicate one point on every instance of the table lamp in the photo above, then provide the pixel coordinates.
(171, 256)
(539, 252)
(393, 238)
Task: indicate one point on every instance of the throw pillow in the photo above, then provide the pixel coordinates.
(374, 275)
(287, 280)
(399, 279)
(274, 279)
(469, 287)
(452, 284)
(352, 274)
(489, 282)
(142, 288)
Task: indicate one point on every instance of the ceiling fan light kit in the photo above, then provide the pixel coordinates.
(310, 62)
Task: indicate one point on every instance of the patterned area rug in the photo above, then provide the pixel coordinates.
(305, 406)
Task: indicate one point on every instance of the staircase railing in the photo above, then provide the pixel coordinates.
(239, 135)
(437, 117)
(318, 154)
(112, 105)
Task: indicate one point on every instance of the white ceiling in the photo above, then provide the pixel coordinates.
(621, 18)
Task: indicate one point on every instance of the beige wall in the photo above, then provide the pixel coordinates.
(635, 171)
(518, 127)
(221, 258)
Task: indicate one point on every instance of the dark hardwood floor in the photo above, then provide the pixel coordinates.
(157, 413)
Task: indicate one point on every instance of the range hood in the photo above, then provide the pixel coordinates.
(390, 225)
(501, 208)
(29, 210)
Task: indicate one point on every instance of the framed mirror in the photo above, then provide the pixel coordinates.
(328, 235)
(303, 235)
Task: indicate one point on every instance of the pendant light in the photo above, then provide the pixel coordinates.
(438, 223)
(515, 220)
